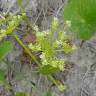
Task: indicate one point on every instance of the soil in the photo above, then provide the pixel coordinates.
(80, 76)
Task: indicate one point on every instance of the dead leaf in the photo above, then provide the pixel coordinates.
(29, 38)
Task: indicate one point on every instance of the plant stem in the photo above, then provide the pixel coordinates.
(33, 57)
(30, 93)
(26, 49)
(53, 80)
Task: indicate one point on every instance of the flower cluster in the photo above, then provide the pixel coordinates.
(8, 24)
(49, 47)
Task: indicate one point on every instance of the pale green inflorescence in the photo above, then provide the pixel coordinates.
(10, 23)
(48, 48)
(61, 87)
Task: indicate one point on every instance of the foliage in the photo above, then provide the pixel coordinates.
(2, 79)
(8, 23)
(20, 94)
(46, 44)
(49, 46)
(5, 48)
(82, 15)
(48, 93)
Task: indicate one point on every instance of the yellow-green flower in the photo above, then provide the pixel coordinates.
(55, 23)
(61, 87)
(36, 28)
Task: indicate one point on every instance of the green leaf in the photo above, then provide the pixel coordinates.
(49, 93)
(5, 48)
(3, 81)
(87, 10)
(48, 70)
(47, 48)
(20, 94)
(82, 15)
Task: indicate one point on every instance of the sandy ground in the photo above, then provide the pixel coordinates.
(80, 79)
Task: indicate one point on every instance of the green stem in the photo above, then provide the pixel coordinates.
(33, 58)
(30, 93)
(21, 6)
(53, 80)
(26, 49)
